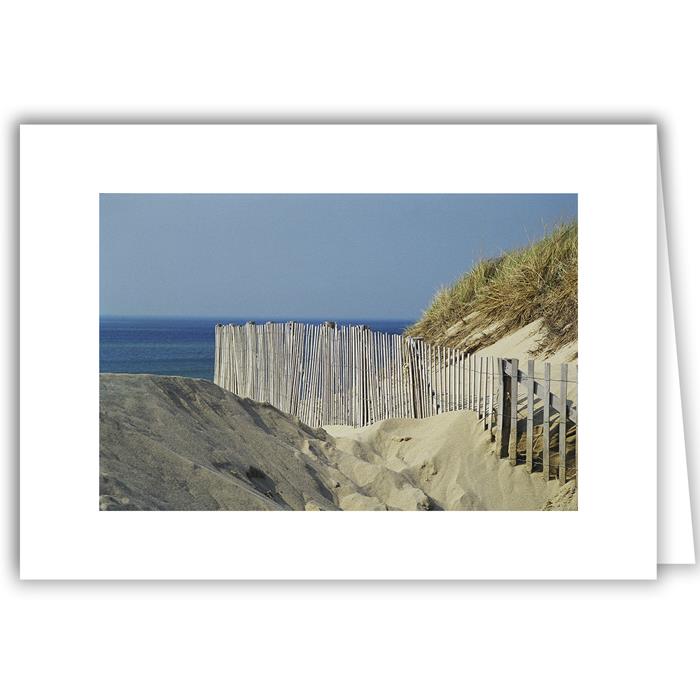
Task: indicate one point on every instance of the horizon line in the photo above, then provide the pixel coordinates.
(269, 318)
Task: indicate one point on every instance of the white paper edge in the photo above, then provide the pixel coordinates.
(675, 532)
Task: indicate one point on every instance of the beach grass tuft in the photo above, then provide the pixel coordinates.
(500, 295)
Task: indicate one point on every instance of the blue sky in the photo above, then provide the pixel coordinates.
(304, 256)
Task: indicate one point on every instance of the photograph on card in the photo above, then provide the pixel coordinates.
(319, 352)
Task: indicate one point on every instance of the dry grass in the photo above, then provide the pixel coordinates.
(501, 295)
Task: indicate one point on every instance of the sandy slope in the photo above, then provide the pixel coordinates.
(169, 443)
(450, 458)
(523, 343)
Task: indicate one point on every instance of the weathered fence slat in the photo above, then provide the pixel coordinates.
(487, 397)
(470, 382)
(513, 445)
(479, 376)
(562, 426)
(530, 421)
(546, 424)
(503, 432)
(493, 373)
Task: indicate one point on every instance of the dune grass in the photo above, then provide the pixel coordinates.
(500, 295)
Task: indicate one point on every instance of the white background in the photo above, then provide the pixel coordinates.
(516, 61)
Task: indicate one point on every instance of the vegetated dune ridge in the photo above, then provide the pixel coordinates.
(526, 298)
(170, 443)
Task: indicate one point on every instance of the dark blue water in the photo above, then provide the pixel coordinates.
(178, 346)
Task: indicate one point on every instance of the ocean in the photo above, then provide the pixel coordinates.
(179, 346)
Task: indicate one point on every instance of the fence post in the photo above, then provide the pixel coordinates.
(478, 391)
(469, 382)
(530, 414)
(503, 430)
(562, 425)
(493, 373)
(513, 443)
(487, 414)
(546, 428)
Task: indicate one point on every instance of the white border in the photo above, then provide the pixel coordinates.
(63, 170)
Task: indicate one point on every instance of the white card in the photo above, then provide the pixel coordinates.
(611, 168)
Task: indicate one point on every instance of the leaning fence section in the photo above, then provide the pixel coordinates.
(351, 375)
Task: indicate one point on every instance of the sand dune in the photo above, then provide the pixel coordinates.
(523, 344)
(170, 443)
(450, 458)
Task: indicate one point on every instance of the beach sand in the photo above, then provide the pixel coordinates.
(450, 458)
(523, 345)
(170, 443)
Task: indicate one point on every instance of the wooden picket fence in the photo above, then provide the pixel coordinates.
(351, 375)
